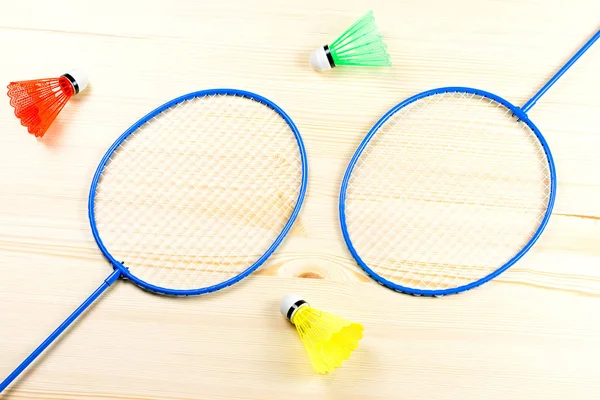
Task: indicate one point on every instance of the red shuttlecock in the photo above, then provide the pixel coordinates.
(38, 102)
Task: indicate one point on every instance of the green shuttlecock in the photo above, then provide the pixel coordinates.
(361, 45)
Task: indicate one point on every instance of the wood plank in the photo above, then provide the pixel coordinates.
(534, 332)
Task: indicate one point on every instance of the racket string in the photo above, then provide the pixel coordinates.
(439, 180)
(200, 192)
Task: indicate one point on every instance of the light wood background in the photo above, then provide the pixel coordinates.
(533, 333)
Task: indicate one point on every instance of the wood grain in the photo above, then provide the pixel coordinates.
(532, 333)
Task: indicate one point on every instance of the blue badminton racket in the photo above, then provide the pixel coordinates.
(194, 196)
(448, 189)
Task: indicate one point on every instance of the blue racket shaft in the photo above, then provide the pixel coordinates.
(527, 106)
(56, 334)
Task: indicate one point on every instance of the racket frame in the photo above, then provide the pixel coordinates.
(518, 113)
(122, 268)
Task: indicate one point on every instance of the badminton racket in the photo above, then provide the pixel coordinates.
(194, 196)
(448, 189)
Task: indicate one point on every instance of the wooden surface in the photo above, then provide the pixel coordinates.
(533, 333)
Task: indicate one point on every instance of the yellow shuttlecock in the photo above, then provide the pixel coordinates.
(327, 338)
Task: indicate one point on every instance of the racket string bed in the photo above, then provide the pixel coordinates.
(445, 187)
(248, 191)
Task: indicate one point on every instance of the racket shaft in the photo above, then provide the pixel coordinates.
(54, 335)
(527, 106)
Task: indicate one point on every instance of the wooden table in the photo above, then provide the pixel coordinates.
(533, 333)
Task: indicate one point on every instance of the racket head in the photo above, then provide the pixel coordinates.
(407, 283)
(278, 122)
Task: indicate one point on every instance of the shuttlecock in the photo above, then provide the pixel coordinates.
(327, 338)
(38, 102)
(360, 45)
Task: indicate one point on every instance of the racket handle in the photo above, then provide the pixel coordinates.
(54, 335)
